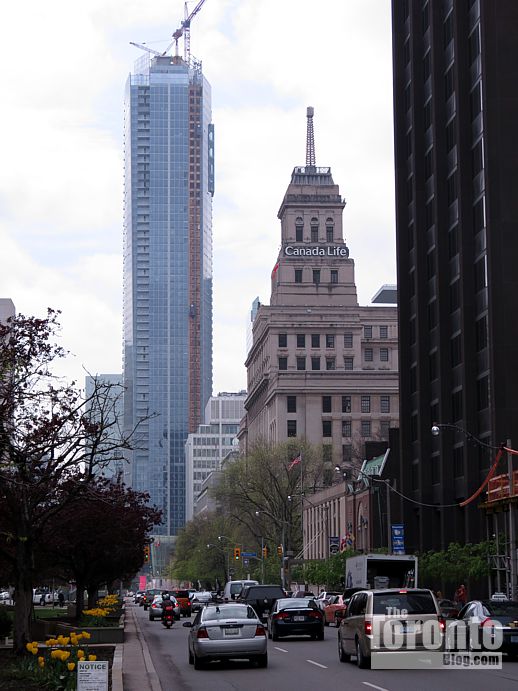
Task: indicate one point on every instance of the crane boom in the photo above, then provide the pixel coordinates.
(146, 48)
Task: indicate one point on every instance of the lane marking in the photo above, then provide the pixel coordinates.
(312, 662)
(373, 686)
(281, 649)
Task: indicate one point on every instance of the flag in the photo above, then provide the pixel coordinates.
(274, 270)
(295, 461)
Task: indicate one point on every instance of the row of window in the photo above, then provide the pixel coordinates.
(327, 428)
(314, 229)
(331, 362)
(330, 339)
(327, 404)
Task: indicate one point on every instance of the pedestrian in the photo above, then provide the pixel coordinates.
(438, 595)
(460, 596)
(61, 599)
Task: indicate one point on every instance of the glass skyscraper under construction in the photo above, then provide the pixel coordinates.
(169, 184)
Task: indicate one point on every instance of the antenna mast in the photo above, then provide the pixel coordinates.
(310, 139)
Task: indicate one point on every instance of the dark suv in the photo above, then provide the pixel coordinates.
(184, 601)
(261, 597)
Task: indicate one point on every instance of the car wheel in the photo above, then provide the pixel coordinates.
(262, 660)
(342, 656)
(320, 636)
(362, 661)
(191, 658)
(198, 664)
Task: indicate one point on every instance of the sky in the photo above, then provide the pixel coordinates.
(63, 68)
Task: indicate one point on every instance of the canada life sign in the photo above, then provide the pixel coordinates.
(330, 251)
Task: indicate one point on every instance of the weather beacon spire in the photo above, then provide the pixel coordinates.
(310, 139)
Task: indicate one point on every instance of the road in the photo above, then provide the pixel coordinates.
(298, 663)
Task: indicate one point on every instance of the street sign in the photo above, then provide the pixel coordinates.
(248, 554)
(398, 538)
(334, 545)
(245, 562)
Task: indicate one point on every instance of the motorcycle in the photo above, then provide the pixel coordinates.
(168, 616)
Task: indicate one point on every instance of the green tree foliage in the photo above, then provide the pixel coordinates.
(456, 564)
(327, 573)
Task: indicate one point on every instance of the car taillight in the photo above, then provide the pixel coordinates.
(280, 615)
(315, 614)
(442, 624)
(260, 631)
(368, 627)
(202, 633)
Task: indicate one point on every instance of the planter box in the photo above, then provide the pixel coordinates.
(43, 629)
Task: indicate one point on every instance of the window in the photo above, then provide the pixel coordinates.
(367, 331)
(436, 478)
(474, 44)
(456, 405)
(425, 17)
(348, 340)
(481, 333)
(454, 295)
(406, 52)
(301, 363)
(330, 363)
(369, 354)
(428, 164)
(430, 264)
(315, 340)
(291, 404)
(432, 366)
(413, 379)
(329, 233)
(314, 230)
(479, 215)
(458, 461)
(334, 276)
(347, 453)
(326, 404)
(301, 341)
(427, 66)
(480, 274)
(316, 276)
(298, 275)
(427, 114)
(432, 314)
(451, 188)
(448, 29)
(384, 354)
(327, 455)
(326, 428)
(330, 341)
(366, 404)
(383, 331)
(414, 428)
(384, 404)
(299, 229)
(451, 135)
(283, 340)
(453, 241)
(366, 428)
(346, 428)
(283, 363)
(412, 330)
(291, 428)
(315, 363)
(346, 404)
(482, 393)
(476, 101)
(384, 429)
(477, 158)
(429, 214)
(448, 83)
(348, 363)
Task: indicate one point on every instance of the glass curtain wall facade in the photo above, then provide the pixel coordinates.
(169, 184)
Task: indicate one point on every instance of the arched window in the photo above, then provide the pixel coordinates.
(314, 229)
(330, 229)
(299, 229)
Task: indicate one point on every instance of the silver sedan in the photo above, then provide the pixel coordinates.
(227, 631)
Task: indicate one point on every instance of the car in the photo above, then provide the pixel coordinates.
(226, 631)
(449, 609)
(200, 599)
(155, 609)
(148, 596)
(368, 613)
(184, 601)
(262, 598)
(233, 588)
(334, 604)
(489, 613)
(296, 616)
(138, 597)
(43, 597)
(325, 597)
(303, 593)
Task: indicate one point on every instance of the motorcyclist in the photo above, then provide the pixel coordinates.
(167, 604)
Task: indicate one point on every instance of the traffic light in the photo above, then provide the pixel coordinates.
(146, 554)
(279, 550)
(237, 553)
(265, 552)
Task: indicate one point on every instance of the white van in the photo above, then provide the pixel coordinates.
(233, 588)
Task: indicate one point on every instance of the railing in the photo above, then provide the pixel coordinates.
(498, 487)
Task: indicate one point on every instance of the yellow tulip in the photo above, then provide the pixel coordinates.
(40, 660)
(65, 654)
(28, 646)
(80, 653)
(81, 658)
(92, 658)
(55, 654)
(66, 640)
(71, 666)
(86, 635)
(41, 663)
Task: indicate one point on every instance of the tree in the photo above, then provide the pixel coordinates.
(45, 440)
(101, 537)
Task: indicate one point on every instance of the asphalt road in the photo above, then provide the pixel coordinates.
(302, 664)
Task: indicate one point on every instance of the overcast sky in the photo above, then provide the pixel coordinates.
(63, 68)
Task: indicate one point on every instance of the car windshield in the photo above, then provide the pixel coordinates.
(297, 603)
(392, 604)
(502, 609)
(230, 612)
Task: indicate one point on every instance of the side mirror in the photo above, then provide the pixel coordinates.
(187, 624)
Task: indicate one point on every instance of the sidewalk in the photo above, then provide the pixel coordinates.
(138, 671)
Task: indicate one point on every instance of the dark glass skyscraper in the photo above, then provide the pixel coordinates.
(169, 184)
(455, 119)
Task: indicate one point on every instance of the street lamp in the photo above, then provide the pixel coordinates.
(283, 541)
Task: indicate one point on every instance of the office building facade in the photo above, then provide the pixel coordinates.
(169, 184)
(455, 114)
(321, 367)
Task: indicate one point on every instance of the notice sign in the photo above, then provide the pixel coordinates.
(92, 676)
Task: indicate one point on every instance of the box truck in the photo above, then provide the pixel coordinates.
(381, 571)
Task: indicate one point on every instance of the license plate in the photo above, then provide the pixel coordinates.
(231, 632)
(514, 639)
(298, 618)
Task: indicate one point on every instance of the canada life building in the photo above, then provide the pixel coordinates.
(456, 153)
(321, 367)
(169, 184)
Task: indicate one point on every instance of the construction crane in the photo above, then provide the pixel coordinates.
(184, 30)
